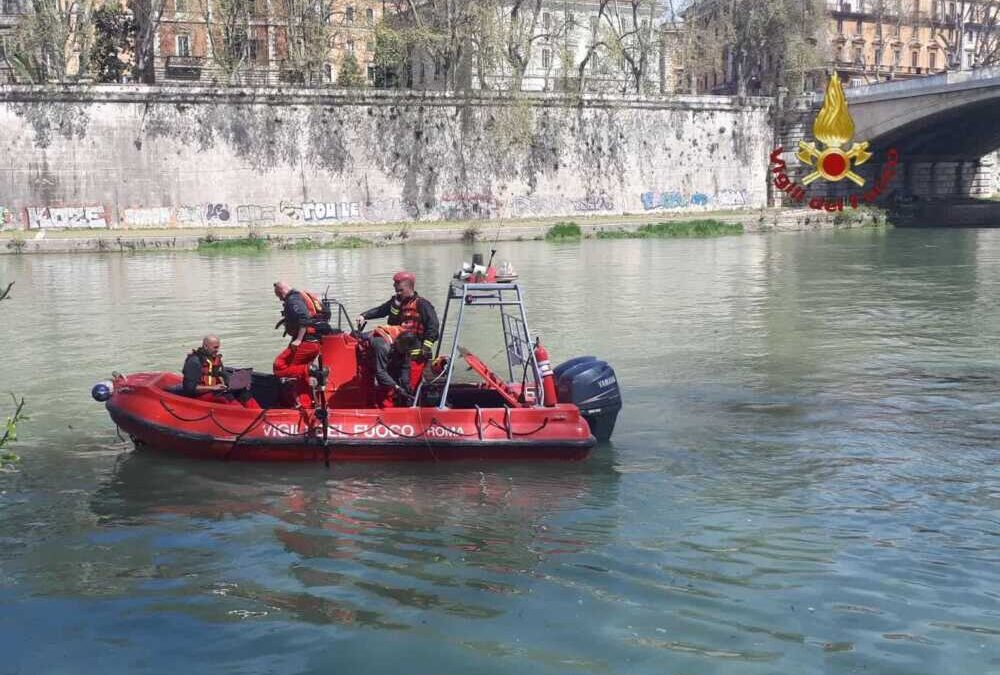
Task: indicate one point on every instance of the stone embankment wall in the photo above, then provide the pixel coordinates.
(153, 157)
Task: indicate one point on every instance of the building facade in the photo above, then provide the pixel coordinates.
(264, 42)
(865, 42)
(877, 40)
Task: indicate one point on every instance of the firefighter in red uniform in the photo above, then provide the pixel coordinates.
(306, 321)
(206, 380)
(413, 314)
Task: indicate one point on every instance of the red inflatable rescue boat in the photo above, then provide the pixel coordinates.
(498, 418)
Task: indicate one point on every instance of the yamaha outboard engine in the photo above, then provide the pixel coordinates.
(592, 386)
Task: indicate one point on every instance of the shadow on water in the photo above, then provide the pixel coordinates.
(355, 544)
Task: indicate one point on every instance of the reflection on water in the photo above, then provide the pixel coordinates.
(803, 478)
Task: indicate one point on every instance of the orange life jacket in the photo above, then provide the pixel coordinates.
(314, 306)
(389, 333)
(211, 368)
(410, 317)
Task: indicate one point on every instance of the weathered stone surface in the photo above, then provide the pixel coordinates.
(152, 157)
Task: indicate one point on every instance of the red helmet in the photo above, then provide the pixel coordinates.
(404, 276)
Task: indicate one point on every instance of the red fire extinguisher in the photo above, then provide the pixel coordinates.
(548, 379)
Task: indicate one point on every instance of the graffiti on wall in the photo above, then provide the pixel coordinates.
(466, 205)
(547, 205)
(253, 214)
(8, 219)
(450, 206)
(157, 216)
(320, 212)
(673, 199)
(48, 217)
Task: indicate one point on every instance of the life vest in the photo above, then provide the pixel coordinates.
(389, 333)
(211, 368)
(317, 314)
(409, 316)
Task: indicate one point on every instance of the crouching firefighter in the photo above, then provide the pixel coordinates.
(414, 314)
(391, 349)
(306, 320)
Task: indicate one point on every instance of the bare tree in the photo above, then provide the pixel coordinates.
(775, 41)
(969, 35)
(147, 14)
(310, 33)
(227, 24)
(52, 41)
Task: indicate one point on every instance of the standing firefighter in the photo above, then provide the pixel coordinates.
(306, 321)
(414, 315)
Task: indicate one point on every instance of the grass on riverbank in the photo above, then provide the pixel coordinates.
(313, 245)
(684, 228)
(564, 232)
(258, 244)
(250, 244)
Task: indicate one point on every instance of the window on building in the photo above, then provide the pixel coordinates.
(878, 58)
(256, 51)
(914, 59)
(183, 46)
(350, 46)
(328, 72)
(180, 5)
(369, 16)
(858, 27)
(349, 14)
(895, 29)
(370, 48)
(897, 58)
(932, 60)
(593, 26)
(546, 21)
(570, 20)
(840, 26)
(546, 59)
(951, 11)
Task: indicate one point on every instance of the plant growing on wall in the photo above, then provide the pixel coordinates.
(114, 43)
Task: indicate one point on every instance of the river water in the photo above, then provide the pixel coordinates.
(804, 478)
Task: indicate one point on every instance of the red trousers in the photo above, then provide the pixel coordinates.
(386, 397)
(294, 362)
(229, 399)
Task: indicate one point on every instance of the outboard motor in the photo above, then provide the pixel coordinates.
(592, 386)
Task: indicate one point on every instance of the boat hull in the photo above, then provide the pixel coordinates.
(153, 416)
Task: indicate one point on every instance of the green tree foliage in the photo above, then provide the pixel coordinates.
(350, 74)
(114, 43)
(51, 41)
(776, 41)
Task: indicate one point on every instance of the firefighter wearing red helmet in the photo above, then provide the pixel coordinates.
(412, 313)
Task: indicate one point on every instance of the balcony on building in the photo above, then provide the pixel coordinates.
(185, 67)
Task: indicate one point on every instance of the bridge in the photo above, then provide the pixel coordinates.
(943, 126)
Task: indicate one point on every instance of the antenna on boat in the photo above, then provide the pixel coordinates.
(493, 250)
